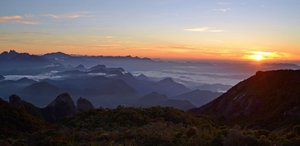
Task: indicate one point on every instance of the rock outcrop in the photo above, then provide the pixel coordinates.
(84, 105)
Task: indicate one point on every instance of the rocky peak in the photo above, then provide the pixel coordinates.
(84, 105)
(142, 77)
(65, 99)
(97, 67)
(15, 101)
(80, 67)
(63, 106)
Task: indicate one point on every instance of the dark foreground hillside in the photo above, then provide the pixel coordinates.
(269, 100)
(127, 126)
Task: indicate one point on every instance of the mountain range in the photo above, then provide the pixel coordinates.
(42, 77)
(261, 110)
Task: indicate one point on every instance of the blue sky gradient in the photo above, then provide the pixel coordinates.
(146, 27)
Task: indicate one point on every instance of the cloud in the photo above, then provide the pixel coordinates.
(27, 22)
(10, 18)
(204, 29)
(32, 19)
(224, 10)
(18, 19)
(71, 15)
(223, 3)
(199, 29)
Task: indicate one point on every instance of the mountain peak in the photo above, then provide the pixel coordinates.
(268, 99)
(98, 66)
(63, 106)
(84, 105)
(16, 101)
(80, 67)
(142, 77)
(57, 54)
(65, 98)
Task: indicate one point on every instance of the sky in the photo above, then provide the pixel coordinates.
(167, 29)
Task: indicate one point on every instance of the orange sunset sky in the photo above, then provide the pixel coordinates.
(169, 29)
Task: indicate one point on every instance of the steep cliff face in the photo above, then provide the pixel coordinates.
(63, 106)
(268, 99)
(84, 105)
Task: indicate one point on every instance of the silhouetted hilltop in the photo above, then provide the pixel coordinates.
(25, 81)
(14, 56)
(84, 105)
(63, 106)
(142, 77)
(80, 67)
(15, 121)
(41, 92)
(169, 87)
(56, 56)
(268, 99)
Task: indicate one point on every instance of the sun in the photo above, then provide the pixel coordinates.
(260, 56)
(256, 57)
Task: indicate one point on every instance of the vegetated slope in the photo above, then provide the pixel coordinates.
(16, 120)
(20, 125)
(269, 99)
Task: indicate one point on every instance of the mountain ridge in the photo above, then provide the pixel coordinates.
(269, 99)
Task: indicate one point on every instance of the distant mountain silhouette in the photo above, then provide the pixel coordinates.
(103, 69)
(80, 67)
(266, 100)
(13, 62)
(165, 86)
(8, 87)
(156, 99)
(276, 66)
(71, 73)
(142, 77)
(97, 67)
(170, 87)
(25, 81)
(40, 93)
(58, 56)
(14, 56)
(198, 97)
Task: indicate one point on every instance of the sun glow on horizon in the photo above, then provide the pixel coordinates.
(261, 56)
